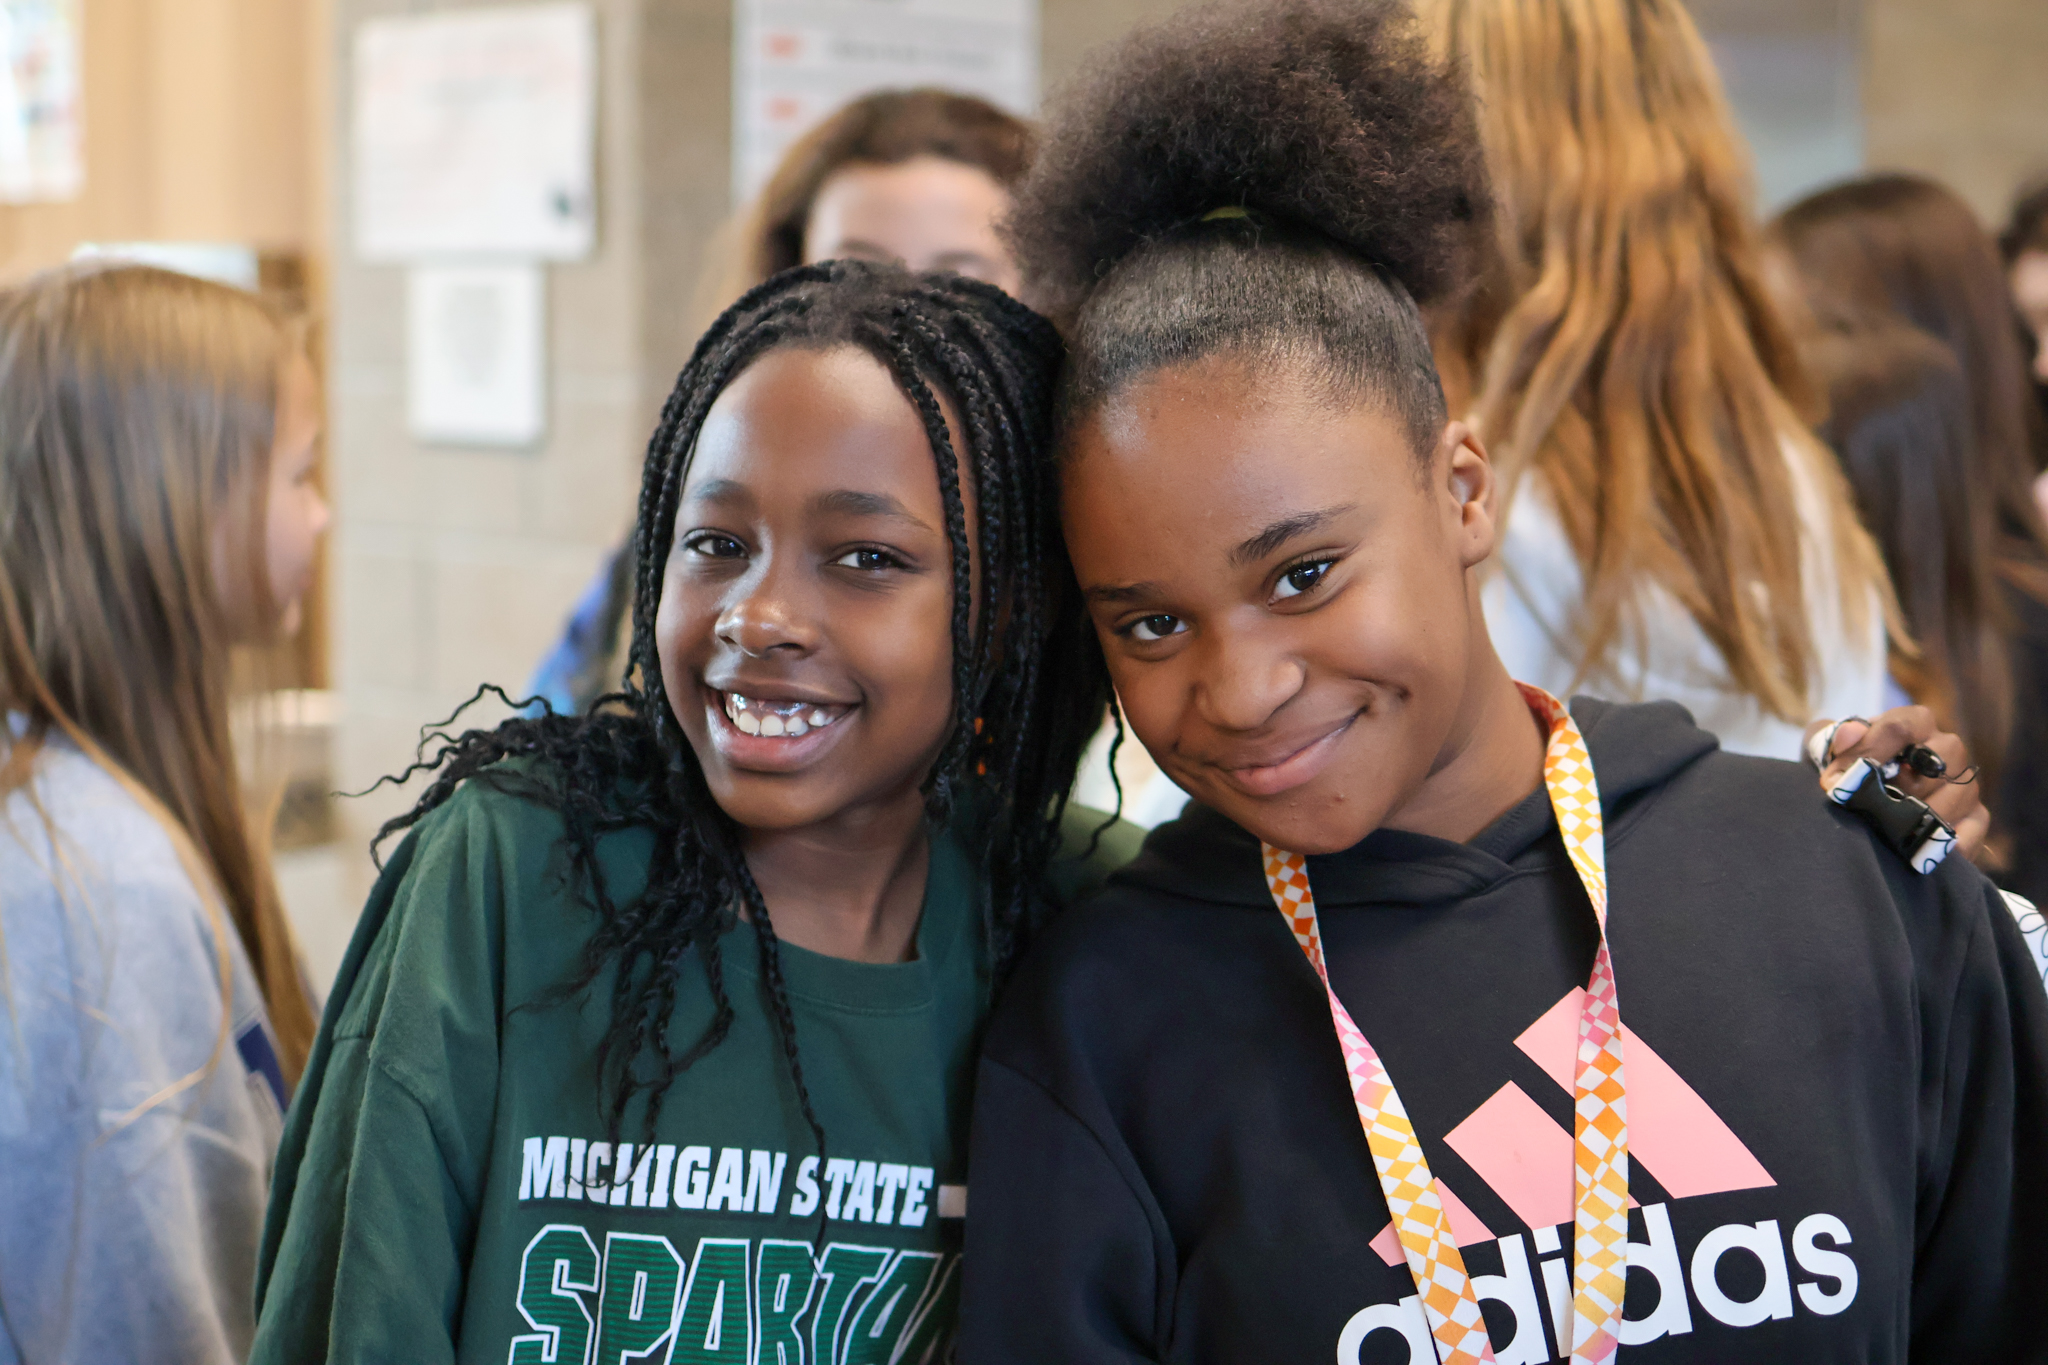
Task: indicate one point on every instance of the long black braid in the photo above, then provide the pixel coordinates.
(1018, 731)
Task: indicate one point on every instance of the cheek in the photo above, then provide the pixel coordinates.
(683, 628)
(290, 536)
(908, 658)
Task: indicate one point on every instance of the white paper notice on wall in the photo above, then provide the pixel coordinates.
(474, 134)
(41, 147)
(795, 61)
(476, 342)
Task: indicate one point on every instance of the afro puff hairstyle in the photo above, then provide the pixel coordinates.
(1351, 151)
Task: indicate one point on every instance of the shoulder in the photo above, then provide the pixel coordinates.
(1093, 844)
(1186, 919)
(510, 819)
(78, 838)
(488, 877)
(98, 824)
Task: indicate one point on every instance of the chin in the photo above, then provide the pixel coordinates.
(1308, 823)
(769, 803)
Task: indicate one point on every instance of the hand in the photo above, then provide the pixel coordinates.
(1889, 734)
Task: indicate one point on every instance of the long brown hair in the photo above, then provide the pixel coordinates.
(137, 410)
(885, 128)
(1621, 342)
(1899, 246)
(1899, 420)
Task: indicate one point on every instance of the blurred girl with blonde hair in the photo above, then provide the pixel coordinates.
(1677, 531)
(157, 511)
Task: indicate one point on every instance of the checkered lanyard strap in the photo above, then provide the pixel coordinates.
(1600, 1146)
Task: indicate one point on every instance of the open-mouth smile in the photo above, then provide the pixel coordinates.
(771, 719)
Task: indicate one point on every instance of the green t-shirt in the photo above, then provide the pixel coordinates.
(445, 1190)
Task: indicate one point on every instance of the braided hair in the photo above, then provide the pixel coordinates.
(1018, 728)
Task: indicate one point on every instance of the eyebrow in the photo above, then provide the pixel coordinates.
(854, 502)
(1116, 594)
(721, 491)
(1287, 528)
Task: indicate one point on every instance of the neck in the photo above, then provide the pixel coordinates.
(850, 888)
(1492, 761)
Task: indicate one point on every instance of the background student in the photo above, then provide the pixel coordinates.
(1949, 493)
(1673, 528)
(157, 509)
(1899, 417)
(695, 983)
(2024, 245)
(1834, 1072)
(917, 177)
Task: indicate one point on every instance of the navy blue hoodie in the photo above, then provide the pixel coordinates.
(1838, 1090)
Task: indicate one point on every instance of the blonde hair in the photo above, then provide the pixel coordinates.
(137, 414)
(1621, 340)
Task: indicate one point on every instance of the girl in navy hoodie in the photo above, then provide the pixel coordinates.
(1449, 1023)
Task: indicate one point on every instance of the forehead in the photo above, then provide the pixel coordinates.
(805, 417)
(1225, 443)
(924, 191)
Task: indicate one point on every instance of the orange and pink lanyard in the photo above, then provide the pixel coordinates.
(1599, 1095)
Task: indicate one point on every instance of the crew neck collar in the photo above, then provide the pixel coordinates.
(951, 909)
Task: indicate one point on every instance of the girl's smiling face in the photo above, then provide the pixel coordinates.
(806, 622)
(1282, 591)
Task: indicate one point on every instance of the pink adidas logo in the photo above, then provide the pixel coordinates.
(1525, 1156)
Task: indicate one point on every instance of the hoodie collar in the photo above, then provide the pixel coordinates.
(1635, 748)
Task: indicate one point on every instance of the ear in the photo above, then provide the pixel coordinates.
(1468, 489)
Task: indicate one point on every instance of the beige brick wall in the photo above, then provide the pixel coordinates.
(1958, 89)
(454, 567)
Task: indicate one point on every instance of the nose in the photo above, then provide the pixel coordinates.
(766, 616)
(1243, 677)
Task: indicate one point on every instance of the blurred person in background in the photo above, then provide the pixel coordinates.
(914, 177)
(1942, 459)
(2024, 244)
(1674, 529)
(157, 510)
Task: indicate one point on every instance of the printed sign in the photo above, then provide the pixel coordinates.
(474, 133)
(795, 61)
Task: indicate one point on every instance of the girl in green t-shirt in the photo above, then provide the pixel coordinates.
(657, 1031)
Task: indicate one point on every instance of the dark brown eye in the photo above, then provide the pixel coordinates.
(1149, 628)
(869, 559)
(713, 546)
(1302, 577)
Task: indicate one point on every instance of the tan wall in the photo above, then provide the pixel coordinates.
(453, 566)
(199, 126)
(1958, 89)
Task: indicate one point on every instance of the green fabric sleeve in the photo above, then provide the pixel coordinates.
(373, 1204)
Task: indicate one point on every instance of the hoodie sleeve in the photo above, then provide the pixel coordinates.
(1065, 1256)
(1983, 1202)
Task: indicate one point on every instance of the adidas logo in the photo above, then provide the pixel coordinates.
(1525, 1158)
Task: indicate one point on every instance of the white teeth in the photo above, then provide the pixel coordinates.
(754, 717)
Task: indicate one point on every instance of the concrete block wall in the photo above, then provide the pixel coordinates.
(1958, 90)
(453, 567)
